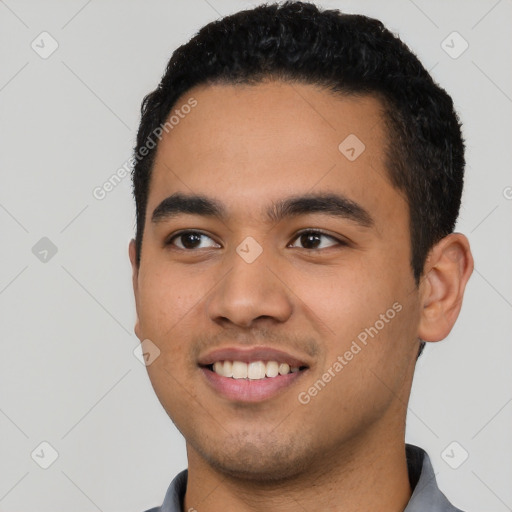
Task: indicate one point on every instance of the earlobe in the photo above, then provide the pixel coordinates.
(447, 270)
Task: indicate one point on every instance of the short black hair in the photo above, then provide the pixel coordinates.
(346, 54)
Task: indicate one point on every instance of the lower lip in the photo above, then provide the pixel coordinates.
(247, 390)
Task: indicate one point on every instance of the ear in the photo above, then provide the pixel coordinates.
(446, 272)
(132, 252)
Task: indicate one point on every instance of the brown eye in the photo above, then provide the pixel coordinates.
(312, 239)
(190, 240)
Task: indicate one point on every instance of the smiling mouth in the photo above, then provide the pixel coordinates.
(254, 370)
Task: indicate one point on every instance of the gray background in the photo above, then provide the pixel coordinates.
(68, 373)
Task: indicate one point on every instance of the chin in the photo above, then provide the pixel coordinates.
(265, 461)
(261, 471)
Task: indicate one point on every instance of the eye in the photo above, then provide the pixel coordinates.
(190, 240)
(311, 239)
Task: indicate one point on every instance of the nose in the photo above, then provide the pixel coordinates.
(249, 293)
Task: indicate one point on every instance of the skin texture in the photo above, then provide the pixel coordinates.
(247, 146)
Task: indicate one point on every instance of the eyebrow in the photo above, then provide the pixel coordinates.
(334, 205)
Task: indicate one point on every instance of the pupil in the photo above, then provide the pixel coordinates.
(193, 237)
(306, 238)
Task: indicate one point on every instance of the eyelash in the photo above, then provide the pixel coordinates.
(169, 241)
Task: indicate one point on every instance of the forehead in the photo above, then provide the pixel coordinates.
(249, 144)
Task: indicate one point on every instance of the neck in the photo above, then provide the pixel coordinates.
(362, 476)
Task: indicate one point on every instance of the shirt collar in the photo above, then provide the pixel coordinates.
(426, 495)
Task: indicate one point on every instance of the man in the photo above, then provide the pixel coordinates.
(298, 178)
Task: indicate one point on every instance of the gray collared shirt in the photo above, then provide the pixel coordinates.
(426, 495)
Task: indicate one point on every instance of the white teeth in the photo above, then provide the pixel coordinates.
(254, 370)
(239, 370)
(272, 369)
(227, 370)
(284, 368)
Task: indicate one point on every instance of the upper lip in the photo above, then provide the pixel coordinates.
(251, 354)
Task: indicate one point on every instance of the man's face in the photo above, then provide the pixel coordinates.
(340, 304)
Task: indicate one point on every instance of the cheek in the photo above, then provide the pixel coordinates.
(345, 298)
(168, 305)
(362, 302)
(164, 299)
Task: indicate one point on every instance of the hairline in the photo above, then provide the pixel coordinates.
(388, 124)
